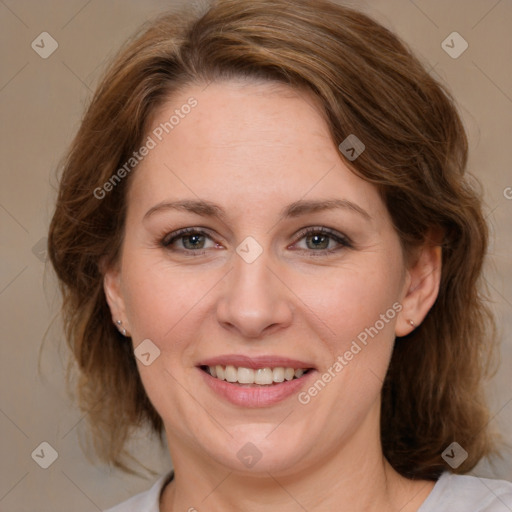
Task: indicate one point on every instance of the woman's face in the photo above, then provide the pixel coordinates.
(289, 262)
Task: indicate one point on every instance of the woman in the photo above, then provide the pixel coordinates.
(269, 252)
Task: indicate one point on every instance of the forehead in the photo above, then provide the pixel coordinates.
(253, 144)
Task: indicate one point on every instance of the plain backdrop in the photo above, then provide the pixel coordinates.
(41, 103)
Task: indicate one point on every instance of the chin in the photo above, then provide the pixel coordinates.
(253, 451)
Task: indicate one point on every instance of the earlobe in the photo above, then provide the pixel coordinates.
(421, 289)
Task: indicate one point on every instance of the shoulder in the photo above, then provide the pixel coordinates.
(147, 501)
(462, 493)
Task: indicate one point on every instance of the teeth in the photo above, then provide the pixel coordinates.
(289, 373)
(278, 374)
(245, 376)
(231, 374)
(261, 376)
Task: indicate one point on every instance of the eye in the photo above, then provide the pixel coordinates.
(189, 240)
(321, 240)
(313, 240)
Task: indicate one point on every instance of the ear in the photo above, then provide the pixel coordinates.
(421, 286)
(112, 288)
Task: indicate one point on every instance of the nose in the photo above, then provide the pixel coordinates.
(254, 302)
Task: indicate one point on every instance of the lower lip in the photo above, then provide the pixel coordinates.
(257, 396)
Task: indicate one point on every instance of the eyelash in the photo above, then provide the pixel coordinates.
(342, 240)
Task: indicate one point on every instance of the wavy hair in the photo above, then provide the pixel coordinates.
(368, 83)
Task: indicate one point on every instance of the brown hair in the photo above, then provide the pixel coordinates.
(368, 84)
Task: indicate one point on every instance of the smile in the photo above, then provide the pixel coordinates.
(255, 382)
(261, 376)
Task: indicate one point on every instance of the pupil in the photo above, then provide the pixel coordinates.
(193, 241)
(319, 241)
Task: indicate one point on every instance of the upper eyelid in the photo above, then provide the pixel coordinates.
(177, 234)
(322, 229)
(299, 235)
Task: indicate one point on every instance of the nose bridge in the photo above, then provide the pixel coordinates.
(252, 279)
(251, 266)
(254, 299)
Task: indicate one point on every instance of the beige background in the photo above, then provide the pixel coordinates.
(41, 101)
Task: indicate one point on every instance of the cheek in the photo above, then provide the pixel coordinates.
(356, 314)
(161, 300)
(164, 304)
(354, 300)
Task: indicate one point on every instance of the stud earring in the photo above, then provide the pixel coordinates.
(122, 330)
(412, 324)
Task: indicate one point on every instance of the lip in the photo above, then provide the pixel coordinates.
(256, 362)
(253, 396)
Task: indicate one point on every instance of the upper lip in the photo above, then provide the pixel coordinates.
(255, 362)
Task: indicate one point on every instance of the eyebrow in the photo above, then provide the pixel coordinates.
(295, 209)
(303, 207)
(199, 207)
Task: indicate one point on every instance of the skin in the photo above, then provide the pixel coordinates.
(254, 148)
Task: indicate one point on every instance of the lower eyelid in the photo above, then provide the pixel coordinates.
(320, 252)
(168, 240)
(340, 239)
(179, 238)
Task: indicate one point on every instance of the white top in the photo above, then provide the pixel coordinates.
(452, 493)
